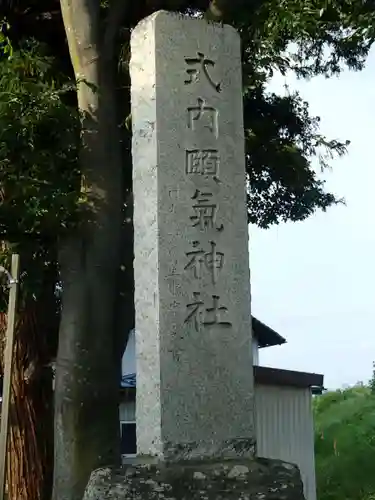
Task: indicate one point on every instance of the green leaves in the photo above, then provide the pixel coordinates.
(318, 36)
(282, 140)
(345, 444)
(6, 49)
(285, 151)
(39, 177)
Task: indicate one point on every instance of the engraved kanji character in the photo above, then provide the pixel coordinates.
(174, 280)
(195, 113)
(196, 260)
(212, 260)
(203, 63)
(215, 313)
(197, 311)
(203, 162)
(205, 212)
(200, 315)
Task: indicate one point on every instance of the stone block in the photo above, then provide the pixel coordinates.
(257, 479)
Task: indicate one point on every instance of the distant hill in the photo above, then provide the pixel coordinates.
(345, 444)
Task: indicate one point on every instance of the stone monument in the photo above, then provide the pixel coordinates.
(195, 423)
(192, 283)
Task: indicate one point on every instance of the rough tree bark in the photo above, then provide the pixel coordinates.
(30, 445)
(87, 367)
(30, 448)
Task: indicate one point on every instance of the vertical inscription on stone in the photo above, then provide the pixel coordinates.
(205, 116)
(201, 315)
(204, 162)
(198, 65)
(192, 291)
(205, 212)
(199, 260)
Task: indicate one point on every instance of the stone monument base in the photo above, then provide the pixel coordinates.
(245, 479)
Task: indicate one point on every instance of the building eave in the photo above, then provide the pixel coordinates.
(263, 375)
(266, 336)
(289, 378)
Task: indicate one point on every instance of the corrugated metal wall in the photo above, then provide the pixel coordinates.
(284, 428)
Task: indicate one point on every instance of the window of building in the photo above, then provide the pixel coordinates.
(128, 439)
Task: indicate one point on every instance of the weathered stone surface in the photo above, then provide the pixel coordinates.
(259, 479)
(192, 284)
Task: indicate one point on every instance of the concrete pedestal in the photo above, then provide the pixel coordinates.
(257, 479)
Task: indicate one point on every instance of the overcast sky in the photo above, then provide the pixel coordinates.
(314, 281)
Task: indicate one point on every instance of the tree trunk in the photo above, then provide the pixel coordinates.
(87, 367)
(30, 445)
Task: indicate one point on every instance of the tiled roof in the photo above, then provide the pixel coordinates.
(128, 381)
(266, 376)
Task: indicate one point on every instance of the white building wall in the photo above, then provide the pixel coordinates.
(255, 348)
(285, 430)
(127, 411)
(128, 359)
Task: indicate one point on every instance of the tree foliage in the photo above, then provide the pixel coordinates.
(39, 180)
(282, 139)
(50, 173)
(345, 444)
(372, 380)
